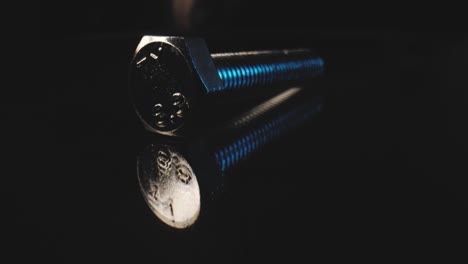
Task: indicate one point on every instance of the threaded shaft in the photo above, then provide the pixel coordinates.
(234, 150)
(262, 68)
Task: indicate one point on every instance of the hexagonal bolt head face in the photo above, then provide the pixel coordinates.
(168, 76)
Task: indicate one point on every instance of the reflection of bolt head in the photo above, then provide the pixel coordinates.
(168, 77)
(169, 186)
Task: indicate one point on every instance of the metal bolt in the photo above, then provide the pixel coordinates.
(170, 77)
(176, 176)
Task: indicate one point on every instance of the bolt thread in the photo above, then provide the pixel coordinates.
(264, 68)
(242, 146)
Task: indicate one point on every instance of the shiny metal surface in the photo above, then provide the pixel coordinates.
(175, 186)
(170, 77)
(265, 123)
(257, 69)
(169, 185)
(161, 74)
(167, 77)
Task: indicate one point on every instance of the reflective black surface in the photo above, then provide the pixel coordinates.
(380, 175)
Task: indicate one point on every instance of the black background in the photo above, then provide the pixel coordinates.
(381, 174)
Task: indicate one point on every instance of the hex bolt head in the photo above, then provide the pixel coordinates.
(161, 83)
(170, 77)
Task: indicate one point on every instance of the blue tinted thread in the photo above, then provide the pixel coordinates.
(236, 75)
(239, 149)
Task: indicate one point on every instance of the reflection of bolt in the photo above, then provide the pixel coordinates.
(176, 73)
(201, 163)
(245, 135)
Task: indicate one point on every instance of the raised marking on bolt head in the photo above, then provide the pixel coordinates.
(180, 113)
(157, 109)
(161, 123)
(140, 61)
(172, 118)
(159, 77)
(178, 99)
(153, 191)
(183, 173)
